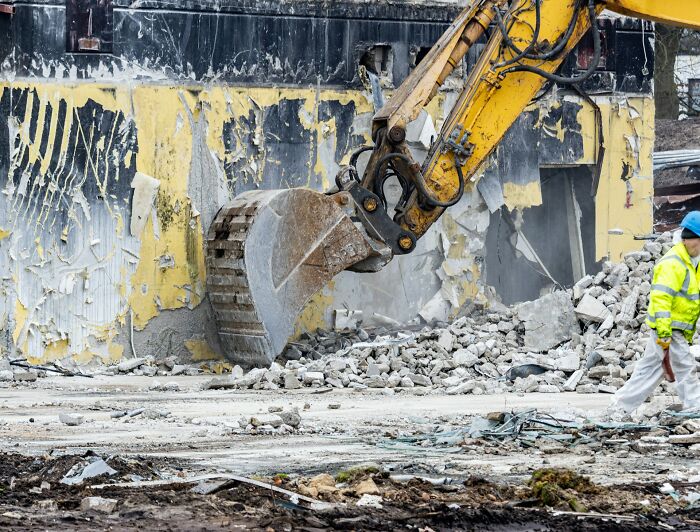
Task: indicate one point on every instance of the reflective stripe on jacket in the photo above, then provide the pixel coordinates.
(674, 301)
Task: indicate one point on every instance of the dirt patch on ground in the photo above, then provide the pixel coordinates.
(33, 497)
(675, 135)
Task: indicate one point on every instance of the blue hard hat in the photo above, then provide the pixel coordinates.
(691, 221)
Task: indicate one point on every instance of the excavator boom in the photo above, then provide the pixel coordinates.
(270, 251)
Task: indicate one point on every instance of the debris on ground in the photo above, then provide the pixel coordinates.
(589, 345)
(545, 499)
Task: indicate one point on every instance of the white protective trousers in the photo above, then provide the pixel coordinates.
(648, 373)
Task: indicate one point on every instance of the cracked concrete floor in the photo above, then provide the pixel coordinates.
(202, 431)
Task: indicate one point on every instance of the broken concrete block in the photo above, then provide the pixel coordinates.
(446, 340)
(598, 372)
(606, 388)
(465, 387)
(313, 376)
(590, 309)
(291, 418)
(581, 286)
(618, 275)
(463, 357)
(549, 321)
(178, 369)
(568, 363)
(420, 380)
(71, 420)
(372, 501)
(685, 439)
(254, 376)
(98, 504)
(406, 383)
(376, 381)
(220, 383)
(82, 471)
(505, 326)
(273, 420)
(373, 370)
(291, 382)
(572, 382)
(25, 375)
(130, 364)
(629, 308)
(6, 375)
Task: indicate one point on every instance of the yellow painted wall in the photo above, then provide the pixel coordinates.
(165, 144)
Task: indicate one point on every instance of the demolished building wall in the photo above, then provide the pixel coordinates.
(113, 166)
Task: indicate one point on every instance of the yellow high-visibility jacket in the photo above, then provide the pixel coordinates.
(674, 301)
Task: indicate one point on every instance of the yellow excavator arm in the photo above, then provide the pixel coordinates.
(532, 40)
(270, 251)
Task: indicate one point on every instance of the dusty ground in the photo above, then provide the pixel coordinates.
(472, 484)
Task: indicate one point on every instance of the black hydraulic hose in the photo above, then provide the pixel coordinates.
(597, 50)
(356, 155)
(553, 52)
(535, 36)
(563, 40)
(420, 183)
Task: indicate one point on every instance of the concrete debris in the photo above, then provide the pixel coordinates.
(590, 309)
(549, 321)
(72, 420)
(373, 501)
(585, 339)
(132, 363)
(98, 504)
(83, 471)
(25, 375)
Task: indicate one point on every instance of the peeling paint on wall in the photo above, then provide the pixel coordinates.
(84, 161)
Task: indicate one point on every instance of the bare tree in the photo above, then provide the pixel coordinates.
(665, 51)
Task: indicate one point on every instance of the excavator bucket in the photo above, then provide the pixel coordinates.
(268, 252)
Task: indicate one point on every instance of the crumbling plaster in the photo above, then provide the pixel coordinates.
(76, 280)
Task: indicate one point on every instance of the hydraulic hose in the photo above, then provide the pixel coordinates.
(420, 182)
(597, 50)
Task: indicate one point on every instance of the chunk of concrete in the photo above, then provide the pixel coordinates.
(291, 382)
(445, 340)
(132, 363)
(25, 375)
(72, 420)
(549, 321)
(419, 380)
(311, 376)
(273, 420)
(291, 418)
(592, 310)
(464, 357)
(685, 439)
(568, 363)
(80, 472)
(572, 382)
(98, 504)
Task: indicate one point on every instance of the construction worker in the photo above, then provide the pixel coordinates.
(674, 306)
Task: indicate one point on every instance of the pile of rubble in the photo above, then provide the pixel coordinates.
(585, 339)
